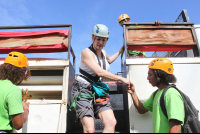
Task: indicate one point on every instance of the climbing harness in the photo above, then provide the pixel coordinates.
(102, 101)
(101, 89)
(80, 95)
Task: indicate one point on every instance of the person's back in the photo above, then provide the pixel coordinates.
(10, 104)
(14, 112)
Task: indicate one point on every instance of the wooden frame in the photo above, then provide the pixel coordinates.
(36, 40)
(160, 35)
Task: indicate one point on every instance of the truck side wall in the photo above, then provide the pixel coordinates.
(197, 29)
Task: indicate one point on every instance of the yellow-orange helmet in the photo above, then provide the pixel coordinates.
(17, 59)
(162, 64)
(122, 17)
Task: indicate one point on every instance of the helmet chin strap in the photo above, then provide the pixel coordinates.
(19, 83)
(26, 71)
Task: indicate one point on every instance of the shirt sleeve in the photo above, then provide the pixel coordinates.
(14, 101)
(148, 104)
(175, 107)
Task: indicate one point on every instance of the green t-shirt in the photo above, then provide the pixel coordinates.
(135, 52)
(10, 103)
(175, 109)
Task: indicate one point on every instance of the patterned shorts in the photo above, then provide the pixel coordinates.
(86, 107)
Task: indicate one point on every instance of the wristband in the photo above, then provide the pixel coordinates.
(26, 108)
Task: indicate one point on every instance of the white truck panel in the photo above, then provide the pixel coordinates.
(187, 72)
(43, 118)
(48, 106)
(197, 29)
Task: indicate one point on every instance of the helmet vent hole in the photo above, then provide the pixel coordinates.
(10, 54)
(15, 56)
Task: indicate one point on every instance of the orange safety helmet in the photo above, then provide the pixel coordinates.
(122, 17)
(17, 59)
(162, 64)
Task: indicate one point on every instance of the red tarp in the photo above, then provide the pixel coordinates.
(31, 33)
(34, 49)
(160, 47)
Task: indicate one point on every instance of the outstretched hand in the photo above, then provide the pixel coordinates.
(130, 88)
(126, 81)
(158, 23)
(25, 104)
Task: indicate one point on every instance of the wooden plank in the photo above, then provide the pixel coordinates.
(49, 39)
(160, 35)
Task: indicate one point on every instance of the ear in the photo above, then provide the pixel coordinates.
(22, 91)
(93, 38)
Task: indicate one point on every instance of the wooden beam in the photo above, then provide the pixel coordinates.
(36, 40)
(160, 35)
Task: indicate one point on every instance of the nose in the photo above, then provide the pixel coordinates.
(100, 41)
(148, 77)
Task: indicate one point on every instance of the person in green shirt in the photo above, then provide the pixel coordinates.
(160, 74)
(125, 18)
(14, 112)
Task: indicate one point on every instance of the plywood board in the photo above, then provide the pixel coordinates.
(160, 35)
(49, 39)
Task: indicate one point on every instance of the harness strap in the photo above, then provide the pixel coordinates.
(85, 110)
(100, 109)
(78, 96)
(104, 63)
(88, 76)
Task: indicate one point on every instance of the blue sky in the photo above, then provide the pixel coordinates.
(84, 14)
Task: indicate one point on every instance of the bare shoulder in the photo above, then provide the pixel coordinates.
(86, 53)
(104, 51)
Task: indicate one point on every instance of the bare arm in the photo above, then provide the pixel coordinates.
(88, 58)
(175, 126)
(138, 104)
(114, 57)
(20, 119)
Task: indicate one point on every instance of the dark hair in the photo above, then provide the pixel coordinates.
(164, 77)
(13, 73)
